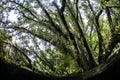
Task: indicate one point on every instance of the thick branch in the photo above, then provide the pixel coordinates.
(97, 26)
(109, 19)
(115, 39)
(71, 35)
(53, 25)
(114, 7)
(91, 59)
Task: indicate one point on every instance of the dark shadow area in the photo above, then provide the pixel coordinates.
(112, 73)
(13, 72)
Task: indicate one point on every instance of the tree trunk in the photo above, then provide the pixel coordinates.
(109, 70)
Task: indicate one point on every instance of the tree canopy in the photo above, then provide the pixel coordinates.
(59, 37)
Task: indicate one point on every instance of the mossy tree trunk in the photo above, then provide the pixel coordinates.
(107, 71)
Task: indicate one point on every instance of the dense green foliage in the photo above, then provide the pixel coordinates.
(59, 37)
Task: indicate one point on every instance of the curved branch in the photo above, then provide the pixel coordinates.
(22, 52)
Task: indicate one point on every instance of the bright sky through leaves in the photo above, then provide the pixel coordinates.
(12, 16)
